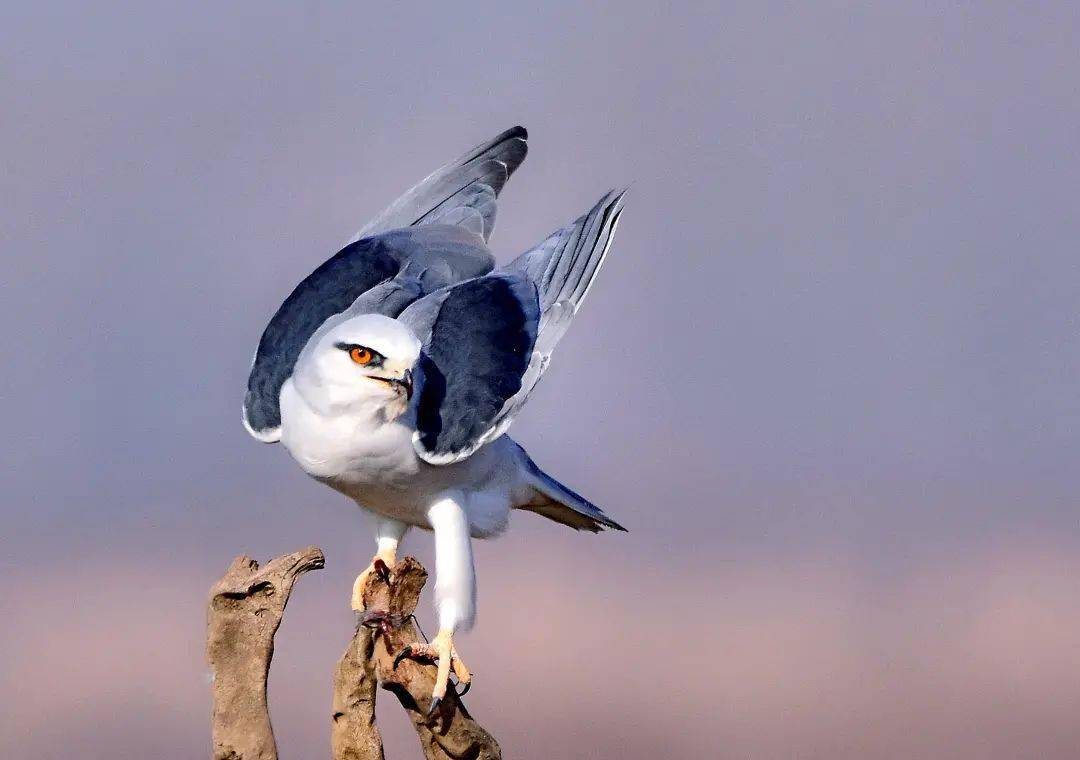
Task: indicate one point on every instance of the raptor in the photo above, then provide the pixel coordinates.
(392, 372)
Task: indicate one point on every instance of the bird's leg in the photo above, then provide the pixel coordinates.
(388, 535)
(440, 649)
(455, 592)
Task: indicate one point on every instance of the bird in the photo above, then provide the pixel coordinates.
(392, 372)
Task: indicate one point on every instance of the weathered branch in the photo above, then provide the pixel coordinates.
(450, 733)
(353, 734)
(245, 610)
(244, 613)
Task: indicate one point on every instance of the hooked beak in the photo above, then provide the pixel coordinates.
(405, 382)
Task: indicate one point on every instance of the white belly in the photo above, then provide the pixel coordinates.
(372, 461)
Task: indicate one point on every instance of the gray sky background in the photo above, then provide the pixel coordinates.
(828, 377)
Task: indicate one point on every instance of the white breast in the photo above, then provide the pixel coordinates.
(370, 458)
(360, 445)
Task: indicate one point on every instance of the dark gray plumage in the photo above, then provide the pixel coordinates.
(392, 371)
(447, 217)
(477, 343)
(487, 341)
(401, 265)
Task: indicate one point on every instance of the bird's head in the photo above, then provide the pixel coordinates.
(364, 359)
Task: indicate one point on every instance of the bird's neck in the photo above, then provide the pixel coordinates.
(363, 402)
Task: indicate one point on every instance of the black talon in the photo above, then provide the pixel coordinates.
(434, 705)
(465, 691)
(405, 652)
(382, 570)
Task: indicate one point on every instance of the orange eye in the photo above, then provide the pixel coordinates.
(361, 355)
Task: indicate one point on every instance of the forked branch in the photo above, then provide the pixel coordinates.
(245, 610)
(449, 733)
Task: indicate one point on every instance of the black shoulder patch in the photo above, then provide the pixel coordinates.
(327, 291)
(480, 346)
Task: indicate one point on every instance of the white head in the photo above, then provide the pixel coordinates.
(363, 360)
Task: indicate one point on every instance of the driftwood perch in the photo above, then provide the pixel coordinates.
(245, 610)
(353, 733)
(450, 733)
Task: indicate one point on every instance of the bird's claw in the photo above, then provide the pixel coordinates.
(442, 651)
(435, 702)
(381, 569)
(405, 652)
(380, 566)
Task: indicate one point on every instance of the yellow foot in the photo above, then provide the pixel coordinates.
(381, 565)
(442, 649)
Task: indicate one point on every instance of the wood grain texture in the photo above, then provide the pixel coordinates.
(244, 611)
(450, 733)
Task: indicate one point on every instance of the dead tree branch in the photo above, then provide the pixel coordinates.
(244, 613)
(448, 734)
(353, 733)
(245, 610)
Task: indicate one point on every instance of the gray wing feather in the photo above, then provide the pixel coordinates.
(456, 207)
(420, 316)
(478, 337)
(559, 273)
(381, 274)
(473, 208)
(464, 189)
(564, 267)
(476, 214)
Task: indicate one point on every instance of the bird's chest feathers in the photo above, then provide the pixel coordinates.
(364, 444)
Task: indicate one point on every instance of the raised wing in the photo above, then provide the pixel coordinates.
(488, 341)
(455, 205)
(382, 274)
(563, 267)
(477, 337)
(461, 193)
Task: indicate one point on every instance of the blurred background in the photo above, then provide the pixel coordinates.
(828, 377)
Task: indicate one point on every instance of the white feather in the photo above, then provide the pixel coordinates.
(455, 585)
(355, 436)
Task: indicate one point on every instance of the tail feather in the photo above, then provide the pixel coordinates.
(555, 501)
